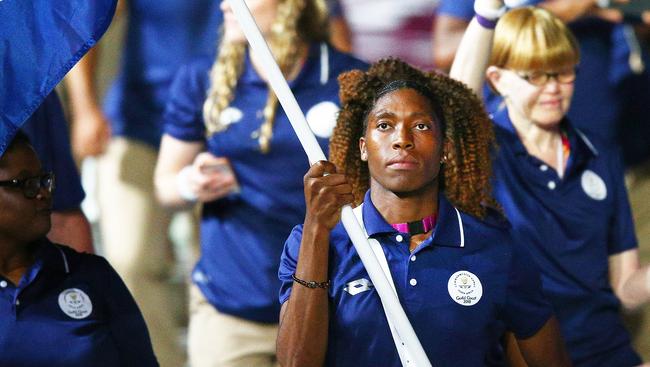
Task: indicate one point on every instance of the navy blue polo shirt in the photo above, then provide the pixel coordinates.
(571, 226)
(71, 310)
(47, 130)
(463, 256)
(242, 235)
(161, 36)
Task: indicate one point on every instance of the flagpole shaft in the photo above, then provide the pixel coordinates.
(309, 143)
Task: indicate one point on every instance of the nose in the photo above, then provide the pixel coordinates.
(403, 139)
(552, 85)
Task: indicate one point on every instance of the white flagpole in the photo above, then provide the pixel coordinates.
(309, 143)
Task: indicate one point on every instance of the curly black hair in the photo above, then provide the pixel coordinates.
(465, 177)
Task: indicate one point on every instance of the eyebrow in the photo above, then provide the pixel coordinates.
(386, 113)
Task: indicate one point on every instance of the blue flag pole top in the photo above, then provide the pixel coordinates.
(40, 41)
(407, 343)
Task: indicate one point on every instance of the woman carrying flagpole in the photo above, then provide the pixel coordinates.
(420, 143)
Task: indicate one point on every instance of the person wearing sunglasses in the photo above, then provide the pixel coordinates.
(58, 307)
(561, 189)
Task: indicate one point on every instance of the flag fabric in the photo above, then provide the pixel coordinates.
(40, 41)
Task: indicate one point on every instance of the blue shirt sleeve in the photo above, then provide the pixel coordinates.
(526, 309)
(126, 324)
(288, 262)
(47, 130)
(463, 9)
(622, 236)
(183, 117)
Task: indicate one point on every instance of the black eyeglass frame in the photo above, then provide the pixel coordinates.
(31, 186)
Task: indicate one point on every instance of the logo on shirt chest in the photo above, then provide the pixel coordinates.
(357, 286)
(75, 303)
(465, 288)
(593, 185)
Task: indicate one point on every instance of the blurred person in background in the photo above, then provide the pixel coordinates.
(124, 132)
(228, 145)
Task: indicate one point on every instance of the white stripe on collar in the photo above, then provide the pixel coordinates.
(462, 230)
(65, 260)
(587, 141)
(324, 64)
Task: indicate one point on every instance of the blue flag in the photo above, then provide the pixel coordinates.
(40, 41)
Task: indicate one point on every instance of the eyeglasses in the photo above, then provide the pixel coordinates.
(540, 78)
(31, 186)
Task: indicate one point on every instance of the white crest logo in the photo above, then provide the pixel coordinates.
(358, 286)
(465, 288)
(230, 115)
(322, 118)
(593, 185)
(75, 303)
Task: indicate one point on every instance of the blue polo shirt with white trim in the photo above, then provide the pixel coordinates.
(71, 310)
(242, 235)
(571, 226)
(463, 258)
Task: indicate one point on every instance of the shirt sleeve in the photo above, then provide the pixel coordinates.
(526, 309)
(47, 130)
(126, 324)
(183, 117)
(288, 262)
(462, 9)
(622, 236)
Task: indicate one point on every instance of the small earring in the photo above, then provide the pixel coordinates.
(443, 160)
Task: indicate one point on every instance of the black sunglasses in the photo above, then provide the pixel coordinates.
(31, 186)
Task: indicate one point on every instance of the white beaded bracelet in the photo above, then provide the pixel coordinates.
(183, 184)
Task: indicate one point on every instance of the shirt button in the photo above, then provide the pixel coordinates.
(3, 284)
(551, 185)
(413, 258)
(399, 238)
(17, 302)
(543, 168)
(413, 282)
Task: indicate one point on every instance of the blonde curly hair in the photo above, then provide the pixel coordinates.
(296, 22)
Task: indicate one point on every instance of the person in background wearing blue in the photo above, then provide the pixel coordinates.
(58, 307)
(420, 143)
(161, 35)
(610, 60)
(47, 130)
(561, 189)
(228, 145)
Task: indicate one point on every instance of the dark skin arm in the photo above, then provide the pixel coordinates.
(304, 318)
(545, 348)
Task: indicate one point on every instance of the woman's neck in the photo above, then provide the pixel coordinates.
(543, 142)
(404, 207)
(303, 50)
(15, 259)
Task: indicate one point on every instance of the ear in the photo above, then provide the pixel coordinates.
(362, 148)
(493, 75)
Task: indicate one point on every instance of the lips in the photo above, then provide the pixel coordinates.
(402, 163)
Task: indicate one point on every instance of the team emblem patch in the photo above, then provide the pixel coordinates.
(358, 286)
(75, 303)
(593, 185)
(322, 118)
(230, 115)
(465, 288)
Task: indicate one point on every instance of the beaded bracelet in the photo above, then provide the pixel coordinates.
(310, 284)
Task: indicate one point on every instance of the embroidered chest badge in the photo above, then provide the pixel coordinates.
(75, 303)
(357, 286)
(593, 185)
(465, 288)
